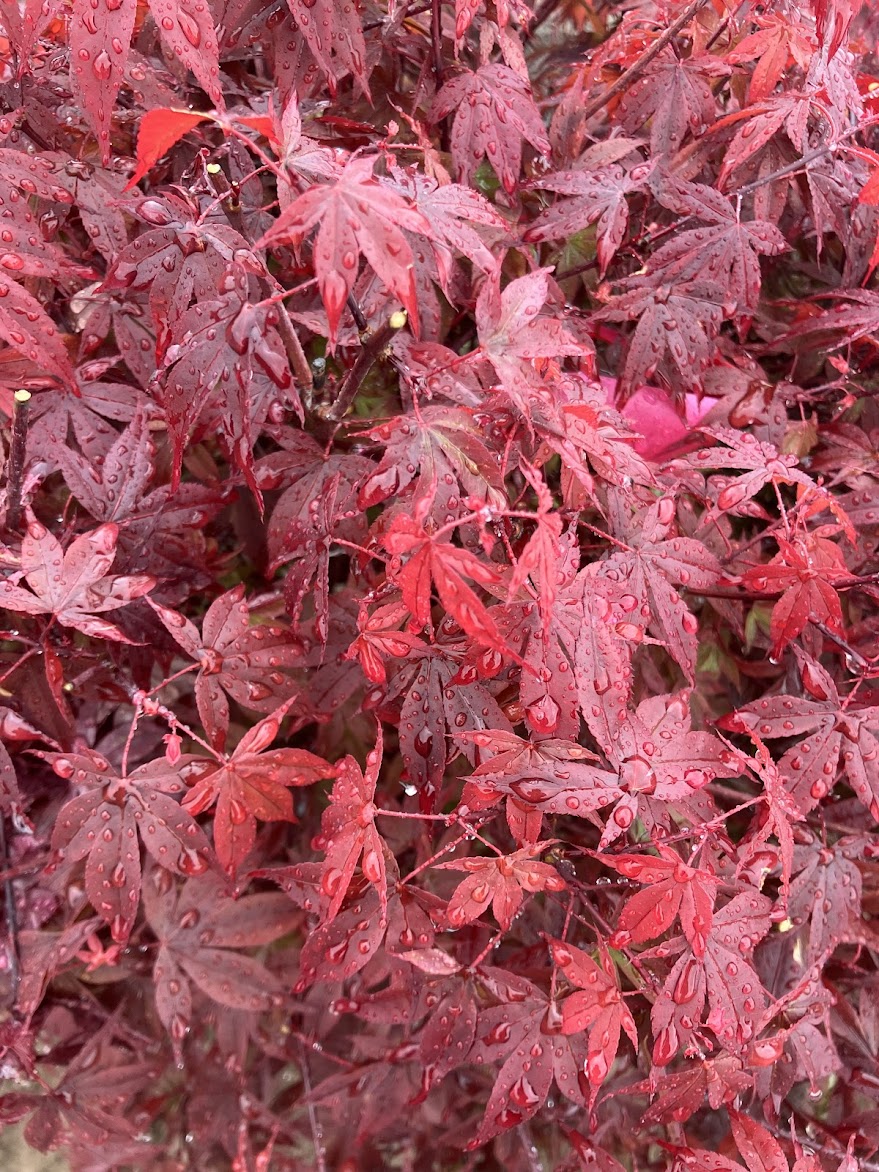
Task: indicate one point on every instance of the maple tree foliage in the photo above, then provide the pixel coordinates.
(439, 568)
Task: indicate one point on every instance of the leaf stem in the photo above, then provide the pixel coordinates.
(436, 40)
(11, 914)
(17, 451)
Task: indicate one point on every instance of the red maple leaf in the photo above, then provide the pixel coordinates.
(73, 585)
(494, 114)
(598, 1007)
(100, 40)
(828, 734)
(778, 41)
(235, 657)
(597, 197)
(355, 214)
(512, 333)
(673, 890)
(724, 973)
(523, 1032)
(804, 572)
(102, 825)
(250, 783)
(198, 926)
(675, 97)
(349, 835)
(434, 560)
(500, 882)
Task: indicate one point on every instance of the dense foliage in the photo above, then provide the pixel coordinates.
(439, 717)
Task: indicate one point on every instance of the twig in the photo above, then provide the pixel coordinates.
(546, 9)
(11, 915)
(316, 1132)
(15, 472)
(638, 67)
(373, 345)
(436, 39)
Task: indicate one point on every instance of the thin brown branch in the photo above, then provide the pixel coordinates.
(11, 914)
(17, 451)
(637, 67)
(373, 345)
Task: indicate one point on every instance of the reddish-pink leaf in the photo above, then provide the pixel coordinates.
(159, 130)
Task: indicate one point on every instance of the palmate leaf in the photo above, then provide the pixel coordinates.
(354, 215)
(525, 1026)
(597, 197)
(199, 929)
(677, 324)
(725, 249)
(102, 825)
(446, 566)
(253, 782)
(73, 586)
(100, 40)
(494, 114)
(245, 661)
(500, 882)
(598, 1007)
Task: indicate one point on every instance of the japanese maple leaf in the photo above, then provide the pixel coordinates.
(549, 776)
(523, 1032)
(826, 894)
(494, 114)
(446, 565)
(677, 324)
(381, 639)
(657, 757)
(760, 1150)
(657, 562)
(673, 890)
(678, 1096)
(245, 661)
(356, 214)
(725, 248)
(597, 1006)
(500, 882)
(762, 462)
(587, 432)
(803, 572)
(181, 256)
(318, 504)
(441, 451)
(100, 40)
(199, 929)
(340, 947)
(539, 557)
(456, 215)
(764, 120)
(438, 709)
(348, 833)
(25, 325)
(252, 783)
(335, 39)
(512, 333)
(723, 972)
(102, 823)
(827, 732)
(225, 352)
(598, 197)
(674, 95)
(160, 531)
(73, 585)
(777, 41)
